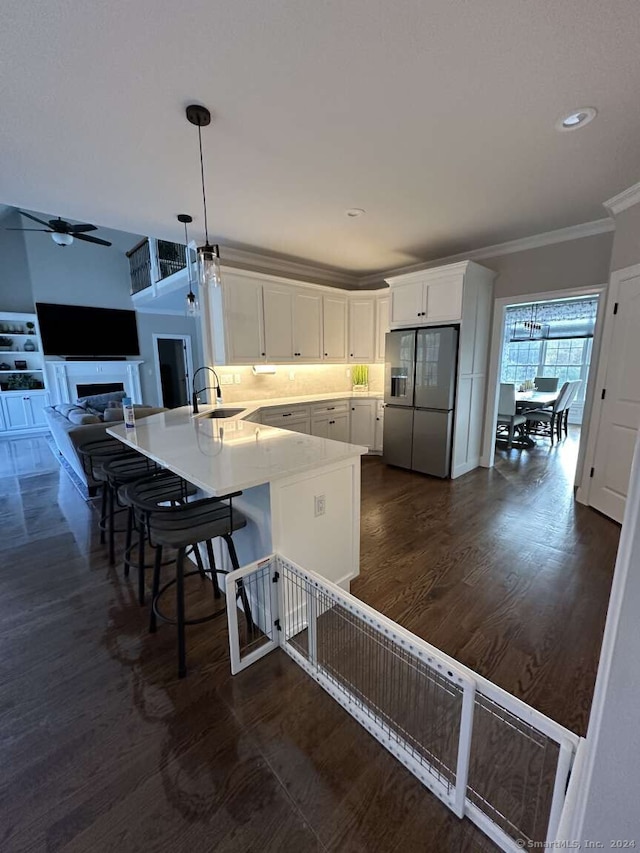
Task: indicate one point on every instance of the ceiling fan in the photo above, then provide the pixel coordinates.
(62, 232)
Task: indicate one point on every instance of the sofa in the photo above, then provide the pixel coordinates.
(72, 424)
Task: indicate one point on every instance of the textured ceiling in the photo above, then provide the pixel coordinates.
(436, 117)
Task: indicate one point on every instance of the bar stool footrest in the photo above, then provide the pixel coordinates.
(169, 619)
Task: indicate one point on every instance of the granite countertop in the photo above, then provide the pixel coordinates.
(223, 455)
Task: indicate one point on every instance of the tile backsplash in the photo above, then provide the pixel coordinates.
(307, 379)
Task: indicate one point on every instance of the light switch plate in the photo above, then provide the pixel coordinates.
(319, 505)
(226, 379)
(292, 375)
(236, 377)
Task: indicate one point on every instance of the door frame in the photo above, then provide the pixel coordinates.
(618, 276)
(186, 339)
(487, 460)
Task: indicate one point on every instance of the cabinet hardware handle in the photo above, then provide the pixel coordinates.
(287, 415)
(326, 354)
(351, 356)
(353, 408)
(264, 353)
(377, 419)
(332, 422)
(331, 408)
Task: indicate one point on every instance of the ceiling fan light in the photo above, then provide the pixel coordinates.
(62, 239)
(209, 266)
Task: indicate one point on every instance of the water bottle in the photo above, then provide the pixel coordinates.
(127, 411)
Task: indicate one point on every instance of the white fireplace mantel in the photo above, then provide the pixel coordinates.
(64, 377)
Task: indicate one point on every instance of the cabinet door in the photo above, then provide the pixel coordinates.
(334, 310)
(307, 325)
(320, 426)
(244, 321)
(379, 430)
(444, 300)
(278, 322)
(407, 303)
(363, 422)
(361, 330)
(37, 404)
(339, 427)
(383, 309)
(17, 411)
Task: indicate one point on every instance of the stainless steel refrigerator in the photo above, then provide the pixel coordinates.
(419, 395)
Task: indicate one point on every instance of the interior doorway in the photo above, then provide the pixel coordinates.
(174, 369)
(546, 336)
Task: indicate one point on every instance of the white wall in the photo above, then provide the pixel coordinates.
(15, 281)
(148, 324)
(626, 245)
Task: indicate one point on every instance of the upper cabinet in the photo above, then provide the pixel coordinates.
(334, 326)
(428, 296)
(362, 330)
(258, 318)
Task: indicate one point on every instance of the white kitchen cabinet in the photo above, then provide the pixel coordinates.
(294, 418)
(428, 296)
(331, 420)
(407, 303)
(383, 314)
(320, 426)
(339, 427)
(363, 422)
(379, 427)
(24, 410)
(307, 325)
(243, 320)
(361, 330)
(278, 322)
(334, 321)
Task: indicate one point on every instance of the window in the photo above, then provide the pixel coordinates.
(567, 359)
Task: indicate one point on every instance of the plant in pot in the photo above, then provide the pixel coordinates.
(360, 377)
(31, 328)
(5, 343)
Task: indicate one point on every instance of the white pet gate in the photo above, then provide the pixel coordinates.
(486, 754)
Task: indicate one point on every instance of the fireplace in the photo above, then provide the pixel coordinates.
(98, 388)
(69, 380)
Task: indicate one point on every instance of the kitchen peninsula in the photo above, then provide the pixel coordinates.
(300, 493)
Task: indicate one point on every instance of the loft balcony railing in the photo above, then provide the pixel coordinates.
(151, 261)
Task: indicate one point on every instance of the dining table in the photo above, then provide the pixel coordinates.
(526, 401)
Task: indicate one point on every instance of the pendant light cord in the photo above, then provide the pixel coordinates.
(204, 197)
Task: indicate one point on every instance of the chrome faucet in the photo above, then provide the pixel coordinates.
(216, 388)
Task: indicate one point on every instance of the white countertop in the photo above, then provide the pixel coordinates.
(227, 455)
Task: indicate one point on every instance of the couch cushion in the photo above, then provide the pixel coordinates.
(115, 413)
(65, 408)
(99, 402)
(82, 417)
(112, 414)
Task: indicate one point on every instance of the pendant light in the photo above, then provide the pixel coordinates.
(208, 255)
(192, 307)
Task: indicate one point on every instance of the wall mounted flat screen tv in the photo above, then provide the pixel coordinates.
(77, 330)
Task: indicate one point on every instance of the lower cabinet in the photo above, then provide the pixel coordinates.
(295, 418)
(23, 410)
(363, 421)
(379, 428)
(335, 427)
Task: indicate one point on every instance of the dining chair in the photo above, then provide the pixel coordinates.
(549, 421)
(573, 393)
(508, 420)
(546, 384)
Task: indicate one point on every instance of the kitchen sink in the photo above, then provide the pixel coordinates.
(222, 413)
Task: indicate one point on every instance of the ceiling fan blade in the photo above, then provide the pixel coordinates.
(82, 227)
(41, 230)
(88, 239)
(35, 219)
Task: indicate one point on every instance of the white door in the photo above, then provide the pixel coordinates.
(320, 426)
(383, 309)
(244, 321)
(339, 427)
(407, 303)
(620, 412)
(38, 403)
(361, 330)
(307, 325)
(444, 300)
(335, 328)
(17, 411)
(363, 422)
(278, 322)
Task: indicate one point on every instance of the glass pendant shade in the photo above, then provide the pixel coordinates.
(192, 308)
(209, 266)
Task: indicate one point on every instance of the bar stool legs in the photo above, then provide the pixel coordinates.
(182, 667)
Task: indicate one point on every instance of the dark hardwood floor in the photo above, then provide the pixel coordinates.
(102, 748)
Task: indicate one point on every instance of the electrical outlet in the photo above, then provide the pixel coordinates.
(319, 505)
(292, 375)
(236, 377)
(348, 373)
(226, 379)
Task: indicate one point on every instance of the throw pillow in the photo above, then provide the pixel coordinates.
(79, 416)
(99, 402)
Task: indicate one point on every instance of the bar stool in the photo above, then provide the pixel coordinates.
(163, 487)
(95, 454)
(181, 527)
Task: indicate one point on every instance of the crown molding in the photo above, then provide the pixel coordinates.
(627, 198)
(243, 259)
(535, 241)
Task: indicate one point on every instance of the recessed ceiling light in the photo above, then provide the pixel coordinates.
(354, 211)
(576, 119)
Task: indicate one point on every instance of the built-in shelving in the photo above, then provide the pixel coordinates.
(23, 393)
